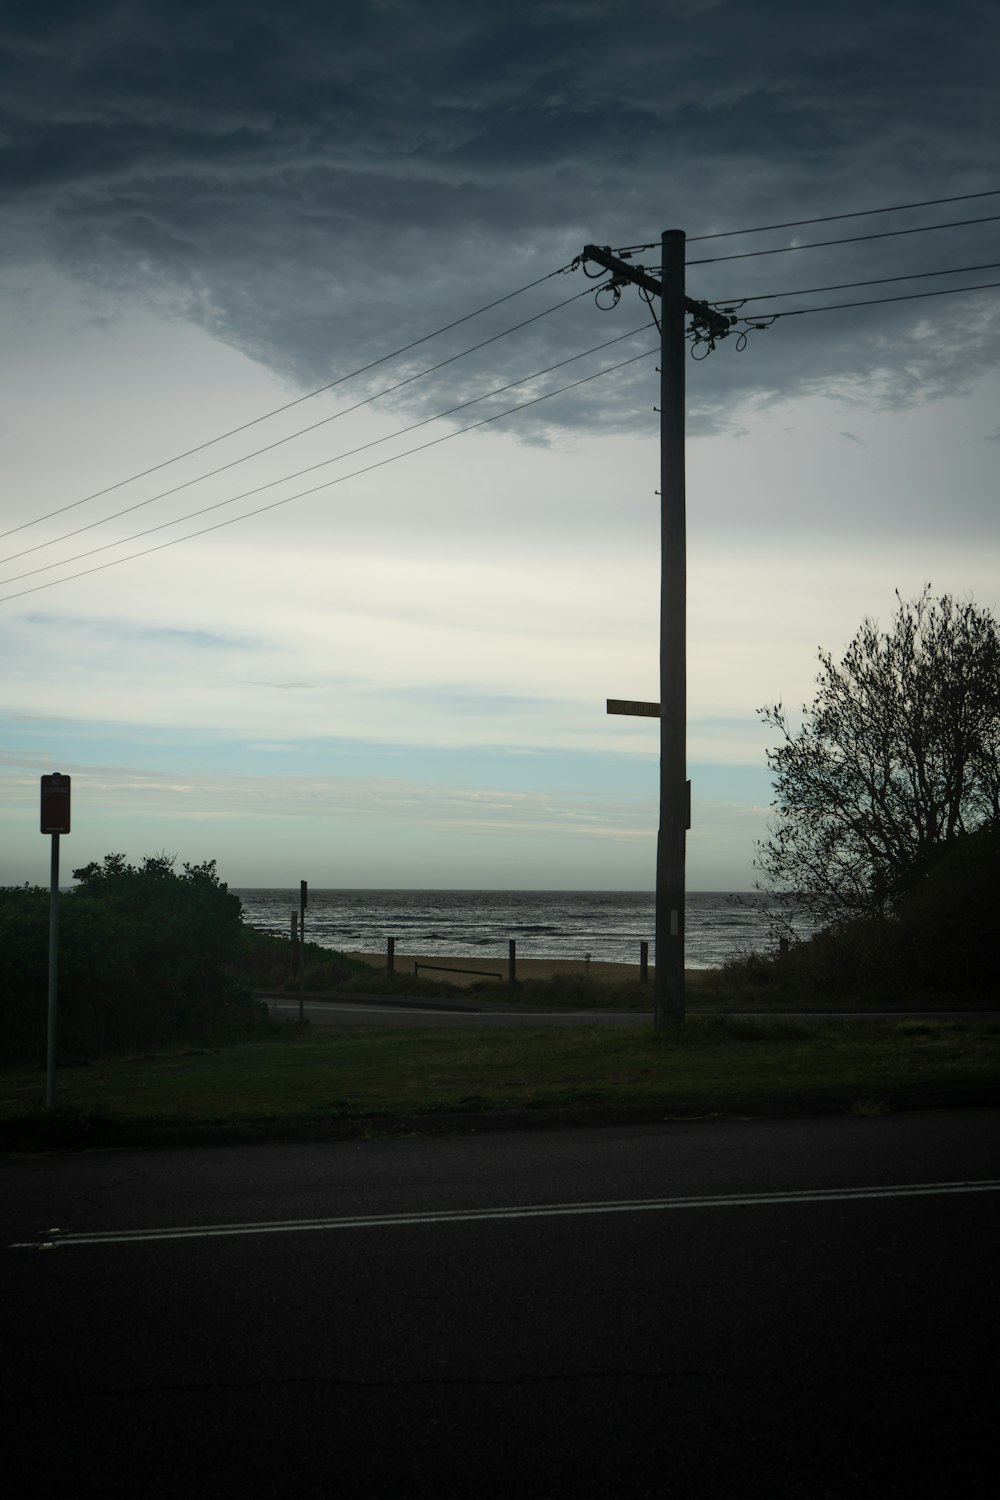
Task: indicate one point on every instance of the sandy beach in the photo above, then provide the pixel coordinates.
(527, 968)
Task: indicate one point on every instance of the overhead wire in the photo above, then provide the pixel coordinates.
(764, 316)
(328, 484)
(948, 291)
(122, 541)
(508, 296)
(854, 239)
(311, 468)
(843, 286)
(858, 213)
(265, 416)
(278, 442)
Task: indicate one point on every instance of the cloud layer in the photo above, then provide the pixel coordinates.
(212, 209)
(318, 193)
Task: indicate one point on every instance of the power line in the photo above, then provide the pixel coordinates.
(467, 317)
(311, 468)
(381, 463)
(820, 244)
(843, 286)
(853, 239)
(204, 510)
(341, 379)
(950, 291)
(859, 213)
(279, 442)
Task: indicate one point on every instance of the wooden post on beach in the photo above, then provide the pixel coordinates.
(644, 962)
(512, 962)
(390, 955)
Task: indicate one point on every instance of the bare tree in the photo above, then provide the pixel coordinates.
(897, 756)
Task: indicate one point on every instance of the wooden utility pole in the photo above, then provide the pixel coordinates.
(675, 305)
(670, 846)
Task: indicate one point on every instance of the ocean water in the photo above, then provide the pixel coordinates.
(607, 925)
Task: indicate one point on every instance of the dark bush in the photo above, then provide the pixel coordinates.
(144, 960)
(939, 936)
(24, 938)
(267, 962)
(948, 919)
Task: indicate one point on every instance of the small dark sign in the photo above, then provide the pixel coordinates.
(635, 710)
(55, 803)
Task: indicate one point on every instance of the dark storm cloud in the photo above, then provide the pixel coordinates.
(321, 183)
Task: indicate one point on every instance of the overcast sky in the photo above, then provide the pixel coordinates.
(399, 679)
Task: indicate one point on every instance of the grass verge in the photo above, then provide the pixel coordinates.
(377, 1081)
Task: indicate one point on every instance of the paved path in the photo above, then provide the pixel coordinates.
(362, 1013)
(358, 1011)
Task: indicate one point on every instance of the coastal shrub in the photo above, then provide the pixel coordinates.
(267, 962)
(144, 960)
(24, 937)
(939, 936)
(948, 919)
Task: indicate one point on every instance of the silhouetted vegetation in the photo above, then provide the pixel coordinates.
(897, 759)
(939, 937)
(271, 963)
(147, 958)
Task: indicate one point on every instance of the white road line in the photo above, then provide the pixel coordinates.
(58, 1239)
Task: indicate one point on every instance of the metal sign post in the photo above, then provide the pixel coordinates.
(303, 903)
(55, 790)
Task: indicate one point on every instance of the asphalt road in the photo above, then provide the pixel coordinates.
(710, 1308)
(378, 1013)
(359, 1012)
